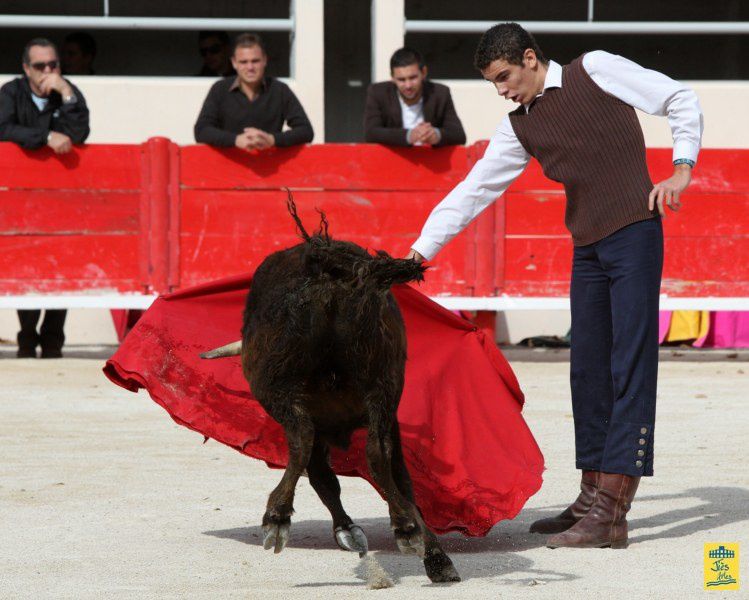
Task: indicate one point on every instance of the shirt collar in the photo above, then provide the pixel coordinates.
(235, 85)
(553, 80)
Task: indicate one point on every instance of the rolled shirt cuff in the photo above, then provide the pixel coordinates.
(427, 248)
(685, 149)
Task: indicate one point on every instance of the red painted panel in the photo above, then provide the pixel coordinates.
(41, 285)
(64, 212)
(717, 171)
(542, 213)
(98, 259)
(542, 266)
(328, 166)
(227, 232)
(538, 213)
(103, 167)
(537, 259)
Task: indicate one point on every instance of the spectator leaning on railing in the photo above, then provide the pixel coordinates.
(42, 108)
(410, 110)
(249, 111)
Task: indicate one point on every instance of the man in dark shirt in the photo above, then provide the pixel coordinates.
(409, 109)
(42, 108)
(249, 111)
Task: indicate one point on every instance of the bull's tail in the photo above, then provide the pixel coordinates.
(232, 349)
(383, 271)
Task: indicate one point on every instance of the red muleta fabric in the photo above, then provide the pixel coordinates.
(471, 456)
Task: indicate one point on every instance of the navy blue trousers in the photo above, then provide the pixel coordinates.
(614, 354)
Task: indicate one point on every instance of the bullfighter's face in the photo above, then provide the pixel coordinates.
(410, 82)
(519, 83)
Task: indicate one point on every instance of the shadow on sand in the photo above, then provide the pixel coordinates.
(719, 506)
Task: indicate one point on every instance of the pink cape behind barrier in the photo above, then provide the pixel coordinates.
(471, 456)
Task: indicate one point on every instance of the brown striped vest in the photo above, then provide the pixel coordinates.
(592, 143)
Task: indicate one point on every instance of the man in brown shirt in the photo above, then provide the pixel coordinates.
(410, 110)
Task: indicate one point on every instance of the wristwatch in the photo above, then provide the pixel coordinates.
(684, 161)
(71, 99)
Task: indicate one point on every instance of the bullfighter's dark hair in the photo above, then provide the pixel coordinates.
(506, 41)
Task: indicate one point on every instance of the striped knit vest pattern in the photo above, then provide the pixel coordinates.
(592, 143)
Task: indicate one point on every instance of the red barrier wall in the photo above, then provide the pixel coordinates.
(156, 217)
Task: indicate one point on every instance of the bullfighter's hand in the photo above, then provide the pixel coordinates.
(670, 189)
(54, 82)
(59, 142)
(412, 254)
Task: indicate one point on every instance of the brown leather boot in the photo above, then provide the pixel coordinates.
(575, 511)
(606, 522)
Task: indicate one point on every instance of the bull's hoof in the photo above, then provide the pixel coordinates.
(410, 540)
(440, 568)
(276, 532)
(351, 538)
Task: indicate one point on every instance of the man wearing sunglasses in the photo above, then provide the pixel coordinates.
(41, 108)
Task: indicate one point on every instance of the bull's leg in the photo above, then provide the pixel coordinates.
(403, 519)
(300, 436)
(348, 535)
(438, 565)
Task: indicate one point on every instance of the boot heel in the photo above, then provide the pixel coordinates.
(619, 544)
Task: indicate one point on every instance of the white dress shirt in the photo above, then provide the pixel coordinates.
(412, 114)
(505, 158)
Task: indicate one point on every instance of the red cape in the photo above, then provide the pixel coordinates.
(471, 456)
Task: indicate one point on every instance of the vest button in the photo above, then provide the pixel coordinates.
(642, 442)
(638, 464)
(641, 453)
(644, 430)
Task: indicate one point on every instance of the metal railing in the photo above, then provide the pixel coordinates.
(586, 27)
(170, 23)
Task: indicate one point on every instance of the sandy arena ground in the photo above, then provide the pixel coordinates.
(103, 496)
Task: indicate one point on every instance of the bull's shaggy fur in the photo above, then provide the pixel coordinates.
(324, 351)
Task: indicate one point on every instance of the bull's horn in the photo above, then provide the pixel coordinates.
(232, 349)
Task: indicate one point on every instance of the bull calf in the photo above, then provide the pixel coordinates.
(324, 351)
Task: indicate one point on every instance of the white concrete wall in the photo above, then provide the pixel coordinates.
(723, 105)
(132, 109)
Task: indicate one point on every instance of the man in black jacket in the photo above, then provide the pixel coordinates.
(249, 111)
(42, 109)
(409, 109)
